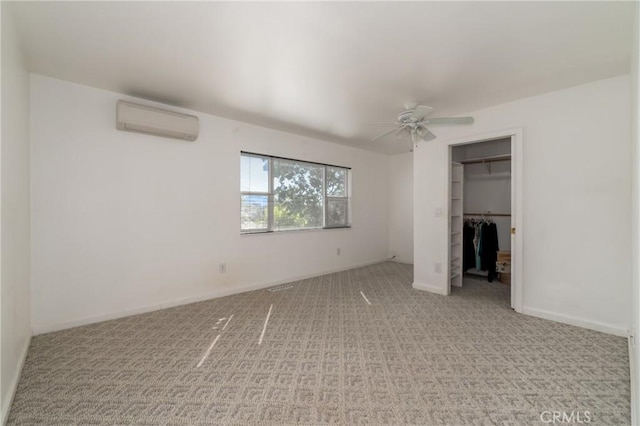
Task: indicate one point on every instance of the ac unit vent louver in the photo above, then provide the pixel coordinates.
(153, 121)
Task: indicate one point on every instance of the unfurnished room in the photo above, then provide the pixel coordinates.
(231, 213)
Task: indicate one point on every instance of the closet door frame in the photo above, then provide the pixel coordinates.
(517, 258)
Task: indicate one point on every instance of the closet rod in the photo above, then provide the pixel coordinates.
(487, 214)
(487, 159)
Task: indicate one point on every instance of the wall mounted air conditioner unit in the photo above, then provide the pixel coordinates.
(153, 121)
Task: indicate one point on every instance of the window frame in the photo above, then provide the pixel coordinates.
(328, 198)
(270, 195)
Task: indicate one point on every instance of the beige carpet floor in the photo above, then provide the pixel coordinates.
(328, 356)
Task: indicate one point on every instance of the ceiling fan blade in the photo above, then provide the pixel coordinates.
(379, 122)
(421, 111)
(447, 120)
(426, 134)
(399, 131)
(384, 134)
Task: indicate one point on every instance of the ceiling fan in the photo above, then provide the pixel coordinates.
(414, 121)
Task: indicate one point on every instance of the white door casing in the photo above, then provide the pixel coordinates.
(517, 265)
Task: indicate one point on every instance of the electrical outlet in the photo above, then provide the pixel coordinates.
(438, 267)
(222, 268)
(338, 251)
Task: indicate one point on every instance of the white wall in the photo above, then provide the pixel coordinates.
(635, 218)
(124, 222)
(401, 207)
(576, 185)
(15, 212)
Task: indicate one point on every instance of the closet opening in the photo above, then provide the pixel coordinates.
(482, 220)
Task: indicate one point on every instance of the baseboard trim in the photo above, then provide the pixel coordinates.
(402, 260)
(579, 322)
(187, 300)
(13, 386)
(429, 287)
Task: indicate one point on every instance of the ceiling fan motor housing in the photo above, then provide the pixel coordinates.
(407, 117)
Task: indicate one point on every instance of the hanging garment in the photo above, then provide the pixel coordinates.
(468, 247)
(489, 245)
(479, 236)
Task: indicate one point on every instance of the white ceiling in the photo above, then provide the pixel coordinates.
(321, 69)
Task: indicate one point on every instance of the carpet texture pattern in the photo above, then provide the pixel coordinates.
(328, 356)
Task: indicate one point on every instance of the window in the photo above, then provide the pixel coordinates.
(280, 194)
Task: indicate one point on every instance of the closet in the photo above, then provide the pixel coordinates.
(480, 210)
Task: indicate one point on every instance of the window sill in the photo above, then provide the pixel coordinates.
(288, 231)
